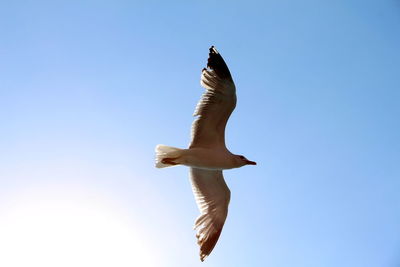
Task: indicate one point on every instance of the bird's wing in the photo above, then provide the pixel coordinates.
(212, 197)
(216, 104)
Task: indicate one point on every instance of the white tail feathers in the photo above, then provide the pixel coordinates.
(163, 152)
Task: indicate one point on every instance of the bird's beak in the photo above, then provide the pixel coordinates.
(249, 162)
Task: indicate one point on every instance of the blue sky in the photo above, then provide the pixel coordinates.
(88, 88)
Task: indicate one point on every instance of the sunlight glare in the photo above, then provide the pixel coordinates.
(68, 230)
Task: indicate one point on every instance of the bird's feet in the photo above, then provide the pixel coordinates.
(169, 161)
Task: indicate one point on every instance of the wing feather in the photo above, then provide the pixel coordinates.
(212, 197)
(216, 105)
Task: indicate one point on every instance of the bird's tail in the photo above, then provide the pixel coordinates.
(167, 156)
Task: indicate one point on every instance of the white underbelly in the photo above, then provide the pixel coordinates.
(207, 159)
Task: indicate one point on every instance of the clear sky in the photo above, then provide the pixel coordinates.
(88, 88)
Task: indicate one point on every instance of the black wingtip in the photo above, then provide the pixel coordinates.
(217, 63)
(213, 50)
(207, 246)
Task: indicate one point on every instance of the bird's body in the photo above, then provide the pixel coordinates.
(207, 154)
(206, 158)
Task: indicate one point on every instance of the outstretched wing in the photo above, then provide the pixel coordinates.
(212, 197)
(216, 104)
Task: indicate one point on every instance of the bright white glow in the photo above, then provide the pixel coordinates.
(53, 230)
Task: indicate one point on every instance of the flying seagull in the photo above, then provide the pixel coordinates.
(207, 154)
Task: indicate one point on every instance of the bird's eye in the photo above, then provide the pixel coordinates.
(241, 157)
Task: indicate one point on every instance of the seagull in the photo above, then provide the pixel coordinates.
(207, 155)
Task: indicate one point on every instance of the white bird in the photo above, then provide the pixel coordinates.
(207, 154)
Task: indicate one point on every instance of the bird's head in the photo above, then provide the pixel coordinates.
(241, 161)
